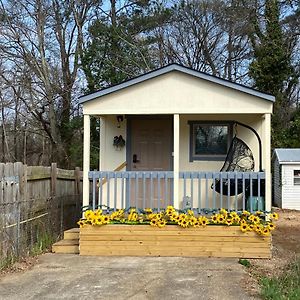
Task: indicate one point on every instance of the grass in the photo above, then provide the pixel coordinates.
(245, 262)
(44, 242)
(284, 287)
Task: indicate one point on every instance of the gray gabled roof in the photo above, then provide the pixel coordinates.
(288, 155)
(179, 68)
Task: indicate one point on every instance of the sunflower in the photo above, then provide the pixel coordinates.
(233, 214)
(245, 213)
(190, 212)
(183, 223)
(192, 221)
(259, 213)
(105, 219)
(221, 218)
(161, 223)
(244, 227)
(99, 220)
(256, 220)
(274, 216)
(203, 221)
(88, 213)
(133, 217)
(214, 218)
(174, 216)
(176, 219)
(81, 223)
(243, 221)
(271, 226)
(197, 224)
(266, 231)
(182, 217)
(223, 211)
(229, 221)
(237, 219)
(153, 222)
(148, 210)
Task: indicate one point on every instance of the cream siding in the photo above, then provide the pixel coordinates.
(177, 93)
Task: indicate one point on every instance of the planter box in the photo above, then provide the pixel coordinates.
(172, 240)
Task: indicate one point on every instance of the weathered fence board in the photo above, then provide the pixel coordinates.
(36, 201)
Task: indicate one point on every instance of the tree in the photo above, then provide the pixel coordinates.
(119, 42)
(42, 41)
(272, 69)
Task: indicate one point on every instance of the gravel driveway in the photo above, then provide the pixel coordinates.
(59, 276)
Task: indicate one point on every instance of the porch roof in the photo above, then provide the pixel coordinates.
(184, 70)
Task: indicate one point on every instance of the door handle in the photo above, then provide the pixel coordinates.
(134, 159)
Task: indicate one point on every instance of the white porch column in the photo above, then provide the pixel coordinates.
(176, 160)
(86, 159)
(267, 159)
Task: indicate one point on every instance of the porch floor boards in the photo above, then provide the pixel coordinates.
(69, 244)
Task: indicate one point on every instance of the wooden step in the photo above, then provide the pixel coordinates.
(71, 234)
(66, 246)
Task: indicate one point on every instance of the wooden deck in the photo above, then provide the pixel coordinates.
(144, 240)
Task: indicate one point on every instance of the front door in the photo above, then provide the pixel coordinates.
(150, 149)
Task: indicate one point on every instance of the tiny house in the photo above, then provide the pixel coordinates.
(286, 180)
(177, 136)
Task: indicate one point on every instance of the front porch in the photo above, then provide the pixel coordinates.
(140, 175)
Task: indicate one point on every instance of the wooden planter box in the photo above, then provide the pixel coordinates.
(172, 240)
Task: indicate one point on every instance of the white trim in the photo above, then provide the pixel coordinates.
(86, 159)
(176, 160)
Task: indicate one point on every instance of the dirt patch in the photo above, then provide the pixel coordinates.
(22, 265)
(286, 247)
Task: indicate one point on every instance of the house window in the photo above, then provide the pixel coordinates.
(296, 177)
(209, 141)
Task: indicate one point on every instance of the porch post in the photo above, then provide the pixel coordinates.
(86, 159)
(267, 160)
(176, 161)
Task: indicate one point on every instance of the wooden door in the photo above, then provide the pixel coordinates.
(150, 150)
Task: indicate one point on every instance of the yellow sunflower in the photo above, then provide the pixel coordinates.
(154, 222)
(190, 212)
(256, 219)
(184, 223)
(274, 216)
(88, 213)
(223, 211)
(214, 218)
(105, 219)
(259, 213)
(197, 224)
(148, 210)
(192, 221)
(161, 223)
(233, 214)
(221, 218)
(182, 216)
(266, 231)
(203, 221)
(229, 221)
(81, 223)
(237, 219)
(245, 213)
(271, 226)
(244, 227)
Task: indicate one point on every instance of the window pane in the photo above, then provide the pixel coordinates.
(211, 139)
(296, 177)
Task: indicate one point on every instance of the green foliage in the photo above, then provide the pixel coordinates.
(44, 242)
(245, 262)
(286, 286)
(272, 69)
(119, 46)
(7, 261)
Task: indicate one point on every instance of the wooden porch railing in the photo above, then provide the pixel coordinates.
(200, 190)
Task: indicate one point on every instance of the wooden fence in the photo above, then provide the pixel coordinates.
(36, 203)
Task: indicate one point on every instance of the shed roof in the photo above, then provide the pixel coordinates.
(179, 68)
(285, 155)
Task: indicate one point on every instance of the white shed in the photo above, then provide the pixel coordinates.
(287, 178)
